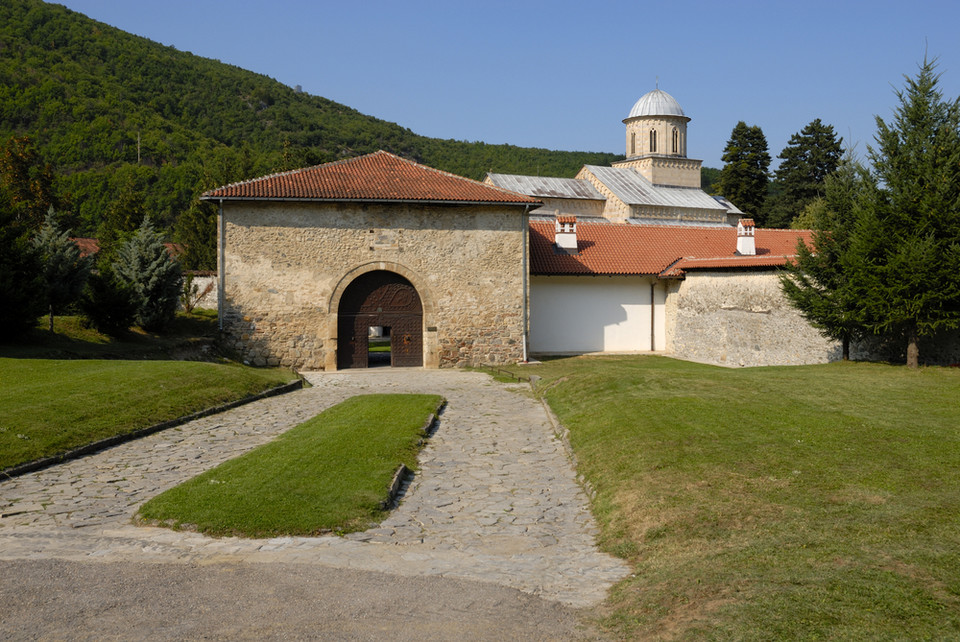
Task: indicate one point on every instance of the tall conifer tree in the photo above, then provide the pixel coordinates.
(743, 179)
(808, 158)
(896, 270)
(909, 228)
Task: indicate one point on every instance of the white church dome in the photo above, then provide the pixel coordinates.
(656, 103)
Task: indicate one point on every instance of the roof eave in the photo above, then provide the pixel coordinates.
(363, 200)
(561, 273)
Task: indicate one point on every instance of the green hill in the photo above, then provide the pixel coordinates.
(129, 123)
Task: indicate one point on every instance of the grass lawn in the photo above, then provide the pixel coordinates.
(770, 503)
(50, 406)
(329, 473)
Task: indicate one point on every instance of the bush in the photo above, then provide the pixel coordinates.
(108, 303)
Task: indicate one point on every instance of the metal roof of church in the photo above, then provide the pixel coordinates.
(619, 249)
(656, 103)
(631, 187)
(380, 176)
(546, 186)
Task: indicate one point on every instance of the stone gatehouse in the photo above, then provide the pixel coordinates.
(312, 262)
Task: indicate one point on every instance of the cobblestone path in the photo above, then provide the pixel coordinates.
(495, 498)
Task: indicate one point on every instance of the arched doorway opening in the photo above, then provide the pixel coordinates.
(385, 304)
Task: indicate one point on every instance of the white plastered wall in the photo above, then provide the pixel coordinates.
(576, 314)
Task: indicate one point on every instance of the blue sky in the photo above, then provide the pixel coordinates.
(563, 75)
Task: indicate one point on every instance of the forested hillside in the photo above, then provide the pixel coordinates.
(131, 127)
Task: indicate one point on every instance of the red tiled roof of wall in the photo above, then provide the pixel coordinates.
(609, 248)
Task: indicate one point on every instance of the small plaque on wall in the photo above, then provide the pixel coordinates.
(382, 239)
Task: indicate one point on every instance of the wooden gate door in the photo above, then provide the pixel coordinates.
(385, 299)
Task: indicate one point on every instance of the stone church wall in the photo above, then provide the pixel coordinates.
(286, 265)
(740, 318)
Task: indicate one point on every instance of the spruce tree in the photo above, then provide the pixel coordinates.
(64, 271)
(153, 276)
(808, 158)
(743, 179)
(909, 222)
(820, 281)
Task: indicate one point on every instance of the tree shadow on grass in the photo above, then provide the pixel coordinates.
(190, 337)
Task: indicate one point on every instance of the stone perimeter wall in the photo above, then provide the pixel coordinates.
(740, 319)
(286, 265)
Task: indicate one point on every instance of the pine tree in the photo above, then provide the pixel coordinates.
(743, 179)
(153, 276)
(64, 271)
(809, 157)
(909, 222)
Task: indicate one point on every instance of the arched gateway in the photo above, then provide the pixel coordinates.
(380, 299)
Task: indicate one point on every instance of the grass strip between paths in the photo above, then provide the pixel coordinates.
(330, 473)
(48, 407)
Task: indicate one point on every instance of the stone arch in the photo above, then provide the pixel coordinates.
(426, 299)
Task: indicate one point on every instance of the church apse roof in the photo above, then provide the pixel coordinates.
(377, 177)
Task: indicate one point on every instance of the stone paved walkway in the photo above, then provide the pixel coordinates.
(495, 498)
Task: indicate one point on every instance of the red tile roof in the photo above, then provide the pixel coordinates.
(609, 248)
(90, 246)
(380, 176)
(87, 246)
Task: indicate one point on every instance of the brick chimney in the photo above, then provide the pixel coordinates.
(746, 246)
(566, 234)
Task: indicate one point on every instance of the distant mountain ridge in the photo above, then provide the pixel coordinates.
(127, 122)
